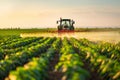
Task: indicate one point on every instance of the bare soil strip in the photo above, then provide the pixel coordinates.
(54, 75)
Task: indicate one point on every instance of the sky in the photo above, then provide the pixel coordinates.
(45, 13)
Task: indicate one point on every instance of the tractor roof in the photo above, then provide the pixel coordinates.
(65, 19)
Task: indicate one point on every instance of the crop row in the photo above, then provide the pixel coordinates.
(22, 57)
(106, 67)
(8, 52)
(30, 59)
(70, 63)
(37, 68)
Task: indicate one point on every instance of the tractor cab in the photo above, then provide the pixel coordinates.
(65, 25)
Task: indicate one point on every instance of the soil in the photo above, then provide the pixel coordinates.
(54, 75)
(93, 74)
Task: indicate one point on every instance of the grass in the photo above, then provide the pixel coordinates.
(18, 31)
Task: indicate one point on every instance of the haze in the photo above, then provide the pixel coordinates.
(45, 13)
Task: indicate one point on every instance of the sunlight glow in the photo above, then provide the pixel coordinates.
(39, 13)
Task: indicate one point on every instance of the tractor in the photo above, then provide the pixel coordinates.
(65, 25)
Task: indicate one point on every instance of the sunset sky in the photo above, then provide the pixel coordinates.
(45, 13)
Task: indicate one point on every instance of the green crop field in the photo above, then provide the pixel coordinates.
(57, 58)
